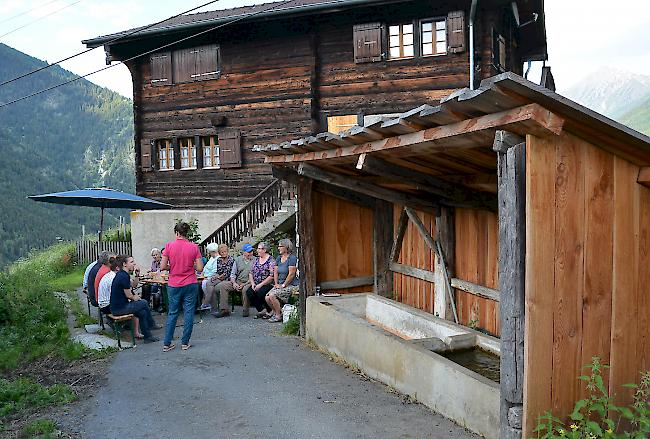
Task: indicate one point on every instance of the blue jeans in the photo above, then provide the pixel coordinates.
(187, 296)
(141, 310)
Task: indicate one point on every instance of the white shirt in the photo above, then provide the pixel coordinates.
(104, 293)
(87, 273)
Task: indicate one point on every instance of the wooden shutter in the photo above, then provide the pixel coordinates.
(367, 42)
(161, 68)
(184, 62)
(230, 149)
(207, 63)
(456, 32)
(145, 155)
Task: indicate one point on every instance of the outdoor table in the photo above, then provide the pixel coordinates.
(162, 281)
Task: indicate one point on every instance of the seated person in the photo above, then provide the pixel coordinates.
(285, 279)
(123, 301)
(92, 275)
(219, 268)
(103, 270)
(239, 282)
(261, 280)
(104, 293)
(151, 292)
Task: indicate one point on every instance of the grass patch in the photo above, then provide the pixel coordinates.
(33, 321)
(43, 428)
(68, 281)
(21, 395)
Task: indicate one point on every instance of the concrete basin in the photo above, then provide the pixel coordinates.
(404, 347)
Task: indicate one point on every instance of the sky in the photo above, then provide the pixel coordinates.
(583, 35)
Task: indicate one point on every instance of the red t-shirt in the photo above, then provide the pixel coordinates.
(181, 254)
(102, 271)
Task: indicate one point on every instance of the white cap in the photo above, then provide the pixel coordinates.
(212, 247)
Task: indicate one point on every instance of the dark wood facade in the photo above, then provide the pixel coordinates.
(282, 78)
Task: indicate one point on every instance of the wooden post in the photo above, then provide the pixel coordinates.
(382, 242)
(306, 255)
(511, 151)
(446, 236)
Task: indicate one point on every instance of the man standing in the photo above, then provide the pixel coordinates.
(123, 301)
(239, 278)
(183, 259)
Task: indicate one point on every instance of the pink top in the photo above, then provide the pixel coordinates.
(181, 254)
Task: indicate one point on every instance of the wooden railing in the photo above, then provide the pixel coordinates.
(254, 213)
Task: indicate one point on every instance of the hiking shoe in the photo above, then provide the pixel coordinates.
(222, 313)
(244, 313)
(151, 340)
(205, 307)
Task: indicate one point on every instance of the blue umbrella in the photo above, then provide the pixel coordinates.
(103, 198)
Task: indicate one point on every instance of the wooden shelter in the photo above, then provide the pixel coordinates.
(510, 207)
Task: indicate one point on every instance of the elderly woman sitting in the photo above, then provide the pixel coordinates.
(151, 292)
(285, 279)
(216, 271)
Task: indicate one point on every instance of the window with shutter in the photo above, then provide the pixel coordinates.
(207, 63)
(210, 147)
(433, 37)
(456, 31)
(184, 63)
(165, 154)
(230, 149)
(161, 68)
(145, 155)
(367, 42)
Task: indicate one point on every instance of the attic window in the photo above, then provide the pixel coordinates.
(186, 65)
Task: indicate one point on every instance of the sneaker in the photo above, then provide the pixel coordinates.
(151, 340)
(169, 347)
(205, 307)
(244, 313)
(222, 313)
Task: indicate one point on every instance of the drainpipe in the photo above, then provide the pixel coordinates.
(472, 15)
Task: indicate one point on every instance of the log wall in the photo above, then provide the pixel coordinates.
(280, 80)
(587, 277)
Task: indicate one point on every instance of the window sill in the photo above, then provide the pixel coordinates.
(211, 167)
(434, 54)
(188, 169)
(166, 169)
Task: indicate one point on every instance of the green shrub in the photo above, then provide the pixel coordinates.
(23, 394)
(596, 416)
(292, 327)
(33, 321)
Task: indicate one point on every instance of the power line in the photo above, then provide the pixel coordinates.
(39, 18)
(135, 31)
(145, 53)
(27, 11)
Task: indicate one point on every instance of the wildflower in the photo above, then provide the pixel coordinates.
(574, 427)
(561, 431)
(609, 430)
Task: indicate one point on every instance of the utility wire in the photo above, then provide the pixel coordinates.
(40, 18)
(135, 31)
(144, 53)
(27, 11)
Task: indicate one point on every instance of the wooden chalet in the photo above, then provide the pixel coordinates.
(209, 86)
(533, 210)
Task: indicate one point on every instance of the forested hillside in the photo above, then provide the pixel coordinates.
(79, 135)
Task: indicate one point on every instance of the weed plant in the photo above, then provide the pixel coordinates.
(32, 319)
(43, 428)
(292, 327)
(23, 394)
(597, 416)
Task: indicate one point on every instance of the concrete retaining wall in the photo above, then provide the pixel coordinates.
(339, 326)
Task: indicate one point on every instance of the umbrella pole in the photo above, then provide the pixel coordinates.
(101, 228)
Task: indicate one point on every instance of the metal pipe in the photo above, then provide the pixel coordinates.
(472, 15)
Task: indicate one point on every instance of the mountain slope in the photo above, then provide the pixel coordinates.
(638, 118)
(611, 92)
(78, 135)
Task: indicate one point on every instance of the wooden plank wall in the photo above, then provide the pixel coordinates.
(477, 250)
(343, 240)
(587, 277)
(415, 253)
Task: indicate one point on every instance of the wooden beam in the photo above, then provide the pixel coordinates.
(353, 184)
(477, 290)
(512, 256)
(306, 245)
(531, 118)
(346, 283)
(417, 273)
(399, 237)
(446, 237)
(452, 194)
(644, 177)
(415, 219)
(382, 241)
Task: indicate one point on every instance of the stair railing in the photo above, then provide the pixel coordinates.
(249, 217)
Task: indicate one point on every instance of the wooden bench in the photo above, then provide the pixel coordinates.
(118, 322)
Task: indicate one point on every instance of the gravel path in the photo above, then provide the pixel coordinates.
(241, 379)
